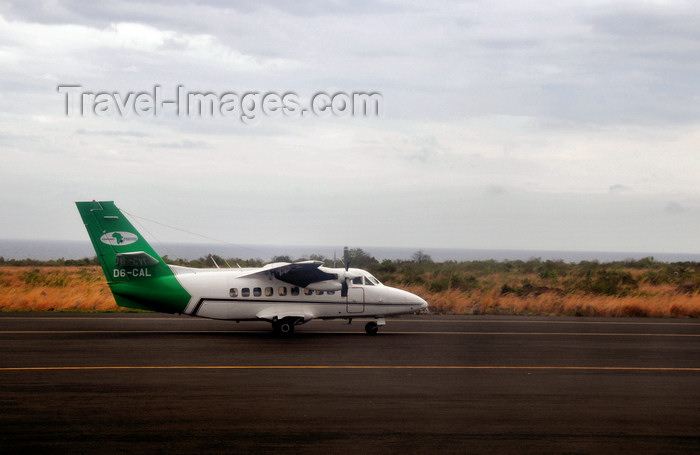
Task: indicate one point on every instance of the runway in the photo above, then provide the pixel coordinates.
(148, 383)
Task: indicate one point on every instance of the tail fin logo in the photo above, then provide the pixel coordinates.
(119, 238)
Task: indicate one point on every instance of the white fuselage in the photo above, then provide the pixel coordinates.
(235, 294)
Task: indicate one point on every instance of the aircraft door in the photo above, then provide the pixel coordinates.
(355, 301)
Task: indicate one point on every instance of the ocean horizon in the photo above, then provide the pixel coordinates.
(67, 249)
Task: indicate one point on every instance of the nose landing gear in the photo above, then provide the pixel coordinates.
(372, 327)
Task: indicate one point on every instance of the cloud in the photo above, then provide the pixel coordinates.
(543, 104)
(495, 189)
(183, 144)
(83, 131)
(619, 189)
(674, 208)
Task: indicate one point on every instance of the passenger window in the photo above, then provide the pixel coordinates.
(331, 292)
(268, 292)
(357, 280)
(257, 292)
(282, 290)
(295, 290)
(308, 292)
(245, 292)
(319, 292)
(233, 292)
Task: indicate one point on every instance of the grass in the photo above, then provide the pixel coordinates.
(478, 287)
(661, 301)
(54, 289)
(642, 288)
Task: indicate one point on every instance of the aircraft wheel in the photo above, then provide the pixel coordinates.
(371, 328)
(284, 327)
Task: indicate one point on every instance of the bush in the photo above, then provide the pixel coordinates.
(35, 277)
(552, 269)
(439, 285)
(613, 282)
(465, 283)
(508, 289)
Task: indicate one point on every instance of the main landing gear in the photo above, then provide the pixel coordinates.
(284, 326)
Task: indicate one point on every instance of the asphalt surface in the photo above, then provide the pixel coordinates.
(142, 383)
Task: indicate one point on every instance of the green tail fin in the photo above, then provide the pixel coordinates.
(136, 274)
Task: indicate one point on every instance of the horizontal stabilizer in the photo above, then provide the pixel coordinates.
(135, 259)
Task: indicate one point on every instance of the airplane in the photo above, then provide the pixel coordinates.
(282, 293)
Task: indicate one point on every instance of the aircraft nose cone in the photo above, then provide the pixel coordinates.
(405, 297)
(414, 299)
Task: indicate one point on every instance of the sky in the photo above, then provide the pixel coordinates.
(531, 125)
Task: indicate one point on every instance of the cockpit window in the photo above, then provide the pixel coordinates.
(371, 279)
(357, 280)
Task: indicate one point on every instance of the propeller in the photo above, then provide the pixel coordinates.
(344, 284)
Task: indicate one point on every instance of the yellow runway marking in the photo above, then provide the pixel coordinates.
(347, 367)
(535, 321)
(608, 334)
(53, 332)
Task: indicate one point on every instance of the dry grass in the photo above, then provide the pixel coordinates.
(54, 289)
(85, 289)
(662, 302)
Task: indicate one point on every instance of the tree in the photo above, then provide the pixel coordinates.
(419, 256)
(282, 259)
(359, 258)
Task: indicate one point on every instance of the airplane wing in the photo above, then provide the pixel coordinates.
(299, 274)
